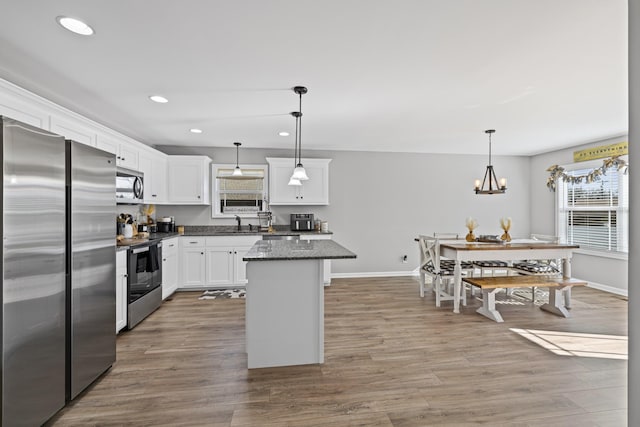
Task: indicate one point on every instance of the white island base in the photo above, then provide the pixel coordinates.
(285, 313)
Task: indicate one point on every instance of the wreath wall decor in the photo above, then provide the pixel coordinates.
(558, 172)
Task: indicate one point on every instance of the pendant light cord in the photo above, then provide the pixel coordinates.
(489, 149)
(300, 130)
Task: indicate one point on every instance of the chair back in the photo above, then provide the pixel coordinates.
(545, 238)
(446, 236)
(429, 252)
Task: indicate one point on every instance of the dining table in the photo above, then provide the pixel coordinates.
(515, 250)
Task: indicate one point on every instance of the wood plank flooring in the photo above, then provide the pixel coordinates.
(391, 359)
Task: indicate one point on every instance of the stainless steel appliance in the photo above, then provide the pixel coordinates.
(58, 270)
(91, 264)
(129, 186)
(33, 274)
(166, 224)
(144, 281)
(302, 222)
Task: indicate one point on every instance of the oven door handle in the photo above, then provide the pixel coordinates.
(140, 250)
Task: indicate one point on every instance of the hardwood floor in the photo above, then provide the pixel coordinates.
(391, 359)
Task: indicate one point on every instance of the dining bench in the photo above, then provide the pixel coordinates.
(491, 285)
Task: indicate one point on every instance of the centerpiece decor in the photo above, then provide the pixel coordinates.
(505, 224)
(471, 224)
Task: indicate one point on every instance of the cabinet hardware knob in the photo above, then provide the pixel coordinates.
(126, 275)
(236, 253)
(201, 253)
(123, 159)
(198, 197)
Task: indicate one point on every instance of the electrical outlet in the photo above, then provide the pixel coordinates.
(404, 259)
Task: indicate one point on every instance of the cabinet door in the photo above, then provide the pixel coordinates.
(169, 274)
(109, 145)
(73, 130)
(154, 169)
(315, 190)
(188, 180)
(219, 266)
(280, 192)
(121, 290)
(169, 266)
(128, 156)
(193, 268)
(240, 265)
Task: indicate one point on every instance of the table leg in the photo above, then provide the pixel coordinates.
(488, 308)
(555, 305)
(566, 273)
(457, 286)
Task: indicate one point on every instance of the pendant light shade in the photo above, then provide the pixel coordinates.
(299, 173)
(237, 171)
(294, 181)
(490, 184)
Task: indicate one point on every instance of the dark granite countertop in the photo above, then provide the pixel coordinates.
(277, 250)
(232, 230)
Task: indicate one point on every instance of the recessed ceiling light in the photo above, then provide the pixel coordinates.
(283, 133)
(75, 25)
(194, 130)
(159, 99)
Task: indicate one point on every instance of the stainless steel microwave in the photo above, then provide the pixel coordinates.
(129, 186)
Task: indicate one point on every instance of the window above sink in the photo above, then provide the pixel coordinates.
(244, 196)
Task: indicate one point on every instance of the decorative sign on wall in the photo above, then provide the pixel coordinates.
(619, 149)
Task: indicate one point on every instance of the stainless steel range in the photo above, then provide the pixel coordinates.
(144, 281)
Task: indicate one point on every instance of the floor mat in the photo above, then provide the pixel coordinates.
(223, 294)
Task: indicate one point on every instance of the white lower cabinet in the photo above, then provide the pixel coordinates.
(214, 261)
(121, 290)
(169, 266)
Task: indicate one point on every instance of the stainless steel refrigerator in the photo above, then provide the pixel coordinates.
(56, 288)
(91, 257)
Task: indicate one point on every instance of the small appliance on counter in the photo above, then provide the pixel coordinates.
(166, 224)
(265, 219)
(302, 222)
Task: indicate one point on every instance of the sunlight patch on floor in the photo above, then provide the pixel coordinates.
(578, 344)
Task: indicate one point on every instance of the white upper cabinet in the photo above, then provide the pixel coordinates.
(189, 180)
(72, 129)
(314, 191)
(154, 166)
(126, 153)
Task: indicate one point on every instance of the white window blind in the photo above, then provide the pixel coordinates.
(595, 215)
(246, 196)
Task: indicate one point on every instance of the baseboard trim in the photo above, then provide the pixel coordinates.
(607, 288)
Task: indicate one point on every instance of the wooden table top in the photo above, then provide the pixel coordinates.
(473, 246)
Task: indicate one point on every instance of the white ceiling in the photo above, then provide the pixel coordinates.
(409, 76)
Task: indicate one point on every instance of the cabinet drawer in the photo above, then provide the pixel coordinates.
(192, 242)
(170, 246)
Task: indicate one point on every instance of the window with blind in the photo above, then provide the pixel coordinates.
(595, 215)
(244, 196)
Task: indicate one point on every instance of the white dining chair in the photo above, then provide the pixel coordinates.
(440, 271)
(538, 267)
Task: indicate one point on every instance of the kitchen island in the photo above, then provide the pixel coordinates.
(285, 301)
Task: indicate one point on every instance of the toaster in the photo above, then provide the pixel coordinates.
(302, 222)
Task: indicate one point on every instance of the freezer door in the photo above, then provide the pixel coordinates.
(33, 274)
(91, 288)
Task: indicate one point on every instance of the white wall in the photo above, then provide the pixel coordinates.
(381, 201)
(607, 273)
(634, 237)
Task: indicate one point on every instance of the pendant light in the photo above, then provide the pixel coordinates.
(237, 171)
(493, 187)
(293, 180)
(298, 172)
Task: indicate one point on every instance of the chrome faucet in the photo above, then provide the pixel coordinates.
(239, 222)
